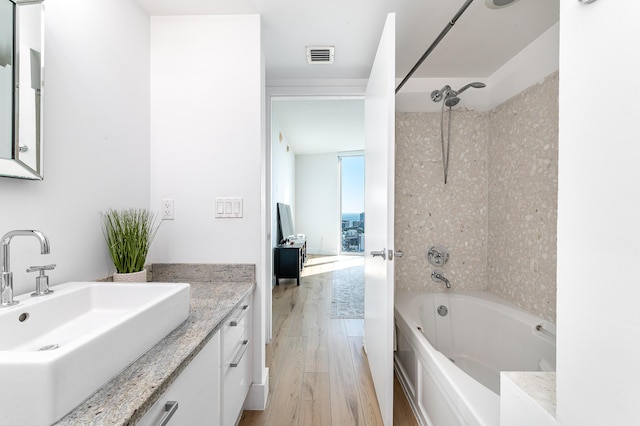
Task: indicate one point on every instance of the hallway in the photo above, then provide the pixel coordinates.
(318, 371)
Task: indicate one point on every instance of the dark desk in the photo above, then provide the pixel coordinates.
(289, 259)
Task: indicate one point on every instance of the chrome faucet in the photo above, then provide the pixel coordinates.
(6, 280)
(438, 277)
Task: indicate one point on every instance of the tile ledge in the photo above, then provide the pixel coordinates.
(539, 386)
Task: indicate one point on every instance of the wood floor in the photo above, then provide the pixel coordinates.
(318, 370)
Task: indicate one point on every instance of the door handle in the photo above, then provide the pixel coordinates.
(380, 253)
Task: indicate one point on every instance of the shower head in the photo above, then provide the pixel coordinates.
(451, 101)
(475, 85)
(450, 96)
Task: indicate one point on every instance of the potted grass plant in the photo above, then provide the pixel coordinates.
(129, 234)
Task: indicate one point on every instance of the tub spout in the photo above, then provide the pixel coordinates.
(439, 277)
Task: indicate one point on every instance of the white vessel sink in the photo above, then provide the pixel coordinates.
(56, 350)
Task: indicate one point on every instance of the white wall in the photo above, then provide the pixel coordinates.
(283, 174)
(598, 374)
(206, 134)
(532, 64)
(96, 139)
(317, 202)
(207, 94)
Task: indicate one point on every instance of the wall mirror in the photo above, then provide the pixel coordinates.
(21, 88)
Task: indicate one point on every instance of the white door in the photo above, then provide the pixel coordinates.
(378, 208)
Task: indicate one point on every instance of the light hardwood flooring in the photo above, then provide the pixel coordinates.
(319, 373)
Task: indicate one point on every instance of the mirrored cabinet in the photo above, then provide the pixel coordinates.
(21, 88)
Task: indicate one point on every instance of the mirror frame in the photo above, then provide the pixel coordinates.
(14, 167)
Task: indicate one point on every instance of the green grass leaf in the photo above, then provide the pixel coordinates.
(129, 234)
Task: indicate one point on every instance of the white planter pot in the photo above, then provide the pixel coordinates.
(133, 277)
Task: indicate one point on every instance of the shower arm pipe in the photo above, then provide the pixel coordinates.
(438, 39)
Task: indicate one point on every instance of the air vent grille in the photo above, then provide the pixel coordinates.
(320, 54)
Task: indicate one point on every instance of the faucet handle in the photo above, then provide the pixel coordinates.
(42, 281)
(41, 268)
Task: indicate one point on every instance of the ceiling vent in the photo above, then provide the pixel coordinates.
(320, 54)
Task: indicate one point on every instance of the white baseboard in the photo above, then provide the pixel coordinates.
(258, 393)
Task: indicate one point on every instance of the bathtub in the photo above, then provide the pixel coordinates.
(449, 365)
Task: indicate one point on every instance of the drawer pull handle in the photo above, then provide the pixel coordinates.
(234, 322)
(170, 409)
(241, 352)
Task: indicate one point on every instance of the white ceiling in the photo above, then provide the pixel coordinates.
(316, 126)
(481, 42)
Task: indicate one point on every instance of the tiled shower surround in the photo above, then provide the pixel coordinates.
(497, 213)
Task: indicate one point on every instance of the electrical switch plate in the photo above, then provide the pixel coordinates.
(228, 207)
(167, 209)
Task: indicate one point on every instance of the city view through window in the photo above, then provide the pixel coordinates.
(352, 203)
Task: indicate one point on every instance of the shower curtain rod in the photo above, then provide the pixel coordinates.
(438, 39)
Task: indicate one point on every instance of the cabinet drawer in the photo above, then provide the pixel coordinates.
(235, 328)
(237, 379)
(196, 390)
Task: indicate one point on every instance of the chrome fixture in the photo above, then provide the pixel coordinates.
(438, 277)
(451, 99)
(42, 281)
(379, 253)
(498, 4)
(450, 96)
(49, 347)
(6, 280)
(438, 255)
(443, 311)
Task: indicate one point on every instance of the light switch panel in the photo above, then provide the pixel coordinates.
(228, 207)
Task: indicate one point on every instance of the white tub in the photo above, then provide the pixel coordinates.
(450, 365)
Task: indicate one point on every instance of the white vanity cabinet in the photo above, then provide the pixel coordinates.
(196, 390)
(212, 389)
(236, 361)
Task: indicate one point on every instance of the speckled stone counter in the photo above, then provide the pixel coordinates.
(540, 386)
(127, 397)
(528, 398)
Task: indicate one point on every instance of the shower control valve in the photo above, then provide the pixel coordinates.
(438, 255)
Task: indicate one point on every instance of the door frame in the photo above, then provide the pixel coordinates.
(352, 89)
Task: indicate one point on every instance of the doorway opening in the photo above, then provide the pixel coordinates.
(307, 135)
(352, 220)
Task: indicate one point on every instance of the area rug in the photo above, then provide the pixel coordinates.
(347, 298)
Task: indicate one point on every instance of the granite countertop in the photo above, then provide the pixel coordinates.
(128, 396)
(540, 386)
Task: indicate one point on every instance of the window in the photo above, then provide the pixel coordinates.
(352, 203)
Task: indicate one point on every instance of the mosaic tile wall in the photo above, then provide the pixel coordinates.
(428, 212)
(497, 213)
(523, 199)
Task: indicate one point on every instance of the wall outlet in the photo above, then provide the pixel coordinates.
(167, 209)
